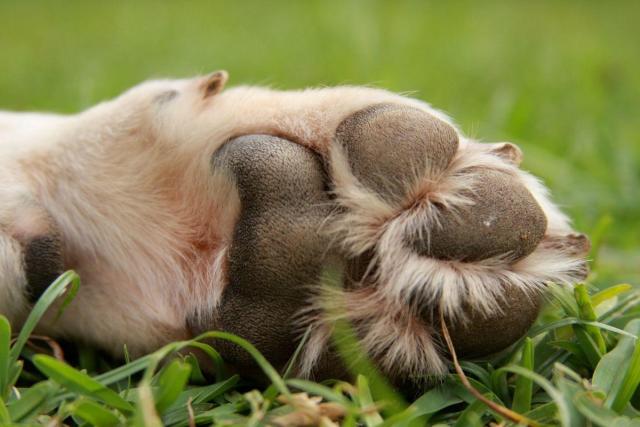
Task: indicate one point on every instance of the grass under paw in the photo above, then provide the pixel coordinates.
(578, 365)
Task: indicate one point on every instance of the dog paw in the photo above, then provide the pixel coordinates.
(430, 221)
(424, 221)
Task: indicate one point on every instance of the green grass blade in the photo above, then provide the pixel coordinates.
(570, 348)
(197, 376)
(499, 386)
(476, 371)
(405, 418)
(272, 391)
(31, 403)
(570, 321)
(620, 396)
(146, 415)
(433, 401)
(586, 312)
(79, 382)
(620, 309)
(171, 383)
(124, 371)
(296, 354)
(563, 297)
(524, 385)
(266, 367)
(599, 415)
(610, 373)
(5, 343)
(214, 356)
(609, 293)
(57, 288)
(204, 394)
(5, 419)
(588, 346)
(87, 358)
(543, 413)
(609, 328)
(370, 415)
(565, 382)
(563, 409)
(472, 415)
(94, 413)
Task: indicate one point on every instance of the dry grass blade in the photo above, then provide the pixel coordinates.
(56, 349)
(192, 415)
(498, 409)
(309, 411)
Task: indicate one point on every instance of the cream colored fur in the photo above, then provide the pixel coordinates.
(147, 224)
(129, 184)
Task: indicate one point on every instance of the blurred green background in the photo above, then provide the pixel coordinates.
(559, 78)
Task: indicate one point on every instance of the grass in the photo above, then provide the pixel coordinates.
(561, 79)
(578, 365)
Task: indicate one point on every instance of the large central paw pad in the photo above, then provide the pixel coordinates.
(277, 250)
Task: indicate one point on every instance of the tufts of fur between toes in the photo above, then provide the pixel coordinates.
(398, 341)
(407, 276)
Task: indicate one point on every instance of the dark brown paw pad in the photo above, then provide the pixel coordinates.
(501, 220)
(482, 334)
(388, 146)
(278, 250)
(43, 263)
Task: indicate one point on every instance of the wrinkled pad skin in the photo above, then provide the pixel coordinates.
(390, 145)
(277, 251)
(480, 335)
(504, 220)
(43, 264)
